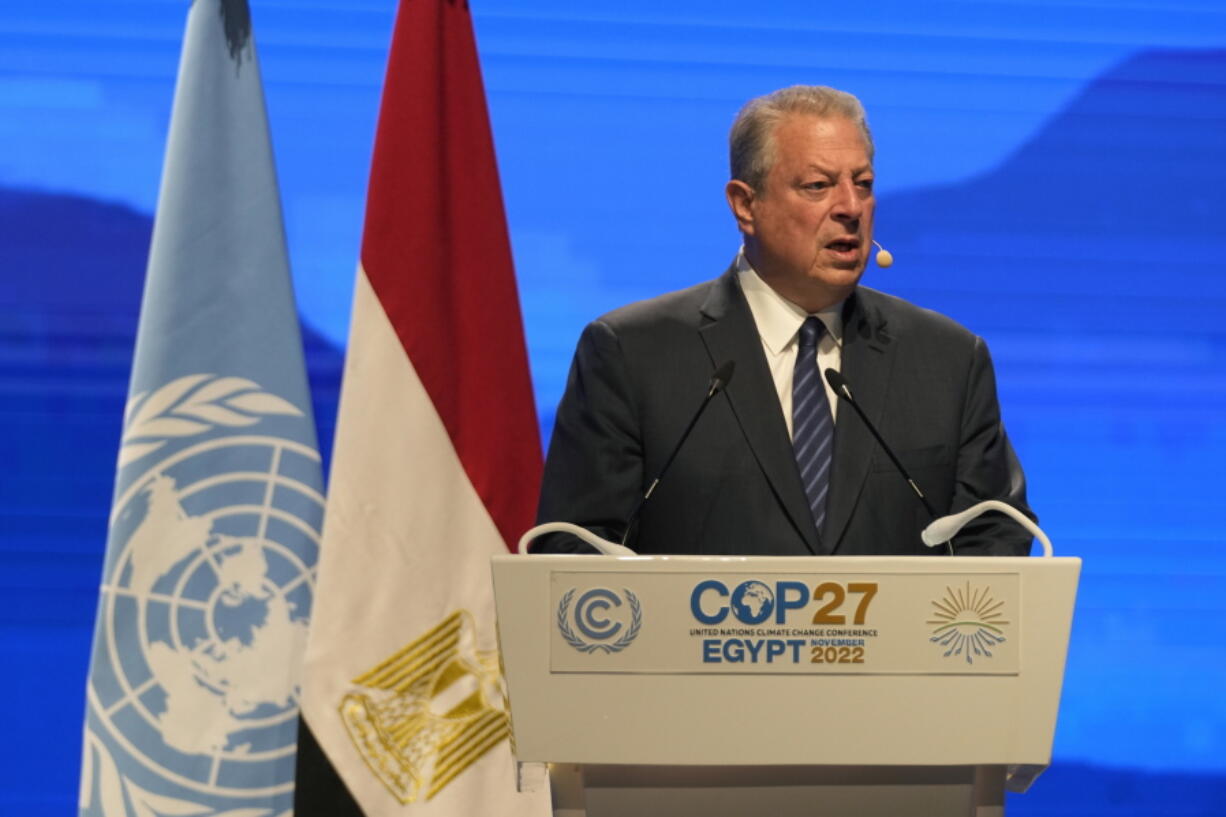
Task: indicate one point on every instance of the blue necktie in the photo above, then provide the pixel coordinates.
(812, 425)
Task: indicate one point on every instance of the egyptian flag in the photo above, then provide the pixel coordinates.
(436, 465)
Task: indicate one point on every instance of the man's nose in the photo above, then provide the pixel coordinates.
(848, 202)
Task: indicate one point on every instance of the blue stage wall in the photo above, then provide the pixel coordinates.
(1050, 173)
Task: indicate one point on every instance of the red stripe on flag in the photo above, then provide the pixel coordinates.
(436, 252)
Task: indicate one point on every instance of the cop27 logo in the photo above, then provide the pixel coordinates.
(605, 622)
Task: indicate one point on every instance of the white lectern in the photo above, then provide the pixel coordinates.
(783, 686)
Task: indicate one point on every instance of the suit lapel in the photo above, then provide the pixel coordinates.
(867, 363)
(729, 333)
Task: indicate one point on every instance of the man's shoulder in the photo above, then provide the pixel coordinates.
(680, 309)
(901, 318)
(685, 309)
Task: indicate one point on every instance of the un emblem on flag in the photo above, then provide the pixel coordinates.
(204, 606)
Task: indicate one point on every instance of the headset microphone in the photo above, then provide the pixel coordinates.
(884, 257)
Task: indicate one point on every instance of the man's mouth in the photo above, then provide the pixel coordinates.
(844, 245)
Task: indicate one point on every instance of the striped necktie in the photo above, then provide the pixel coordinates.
(812, 424)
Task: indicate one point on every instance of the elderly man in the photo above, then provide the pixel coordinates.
(775, 466)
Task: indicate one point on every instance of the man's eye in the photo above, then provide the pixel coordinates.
(816, 185)
(865, 184)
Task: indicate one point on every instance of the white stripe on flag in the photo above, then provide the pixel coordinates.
(407, 541)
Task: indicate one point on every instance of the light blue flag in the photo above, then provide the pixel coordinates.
(214, 531)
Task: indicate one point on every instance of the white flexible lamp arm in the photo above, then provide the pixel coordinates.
(603, 545)
(944, 529)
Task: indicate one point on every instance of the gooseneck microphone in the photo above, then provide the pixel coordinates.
(843, 389)
(947, 527)
(719, 381)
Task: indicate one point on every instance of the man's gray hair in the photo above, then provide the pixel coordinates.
(751, 143)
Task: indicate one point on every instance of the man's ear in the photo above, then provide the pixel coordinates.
(740, 200)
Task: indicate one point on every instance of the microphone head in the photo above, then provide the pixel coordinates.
(942, 530)
(722, 376)
(885, 258)
(838, 383)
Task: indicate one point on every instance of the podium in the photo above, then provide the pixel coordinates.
(678, 685)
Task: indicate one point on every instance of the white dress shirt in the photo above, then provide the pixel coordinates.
(778, 321)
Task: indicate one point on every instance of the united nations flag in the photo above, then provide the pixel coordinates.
(214, 532)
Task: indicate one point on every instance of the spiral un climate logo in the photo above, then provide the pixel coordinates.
(606, 620)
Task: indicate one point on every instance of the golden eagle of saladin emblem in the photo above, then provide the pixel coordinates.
(428, 712)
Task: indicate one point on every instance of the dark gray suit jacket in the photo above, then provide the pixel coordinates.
(640, 372)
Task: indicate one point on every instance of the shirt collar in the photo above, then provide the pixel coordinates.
(777, 318)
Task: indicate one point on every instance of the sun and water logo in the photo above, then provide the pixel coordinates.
(968, 622)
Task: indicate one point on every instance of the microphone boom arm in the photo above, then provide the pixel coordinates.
(843, 390)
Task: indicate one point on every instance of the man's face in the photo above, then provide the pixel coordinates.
(809, 229)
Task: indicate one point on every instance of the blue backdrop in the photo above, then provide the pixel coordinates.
(1050, 173)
